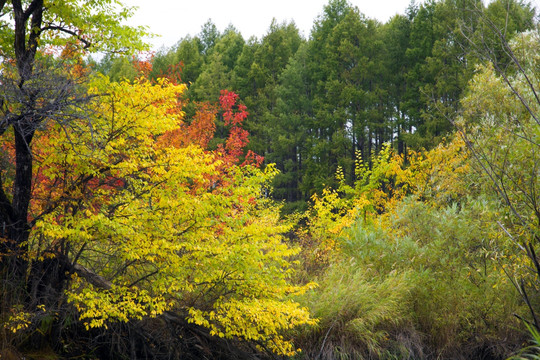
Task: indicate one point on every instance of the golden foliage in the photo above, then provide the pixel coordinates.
(162, 227)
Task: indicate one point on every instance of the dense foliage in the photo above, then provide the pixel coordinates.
(352, 86)
(370, 192)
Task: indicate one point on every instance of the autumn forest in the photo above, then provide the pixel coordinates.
(368, 191)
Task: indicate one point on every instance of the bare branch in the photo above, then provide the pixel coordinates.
(93, 278)
(87, 43)
(144, 278)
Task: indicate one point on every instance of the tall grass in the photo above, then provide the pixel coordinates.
(419, 283)
(531, 352)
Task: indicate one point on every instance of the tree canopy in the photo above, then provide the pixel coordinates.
(370, 191)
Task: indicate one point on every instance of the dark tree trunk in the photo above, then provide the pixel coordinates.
(14, 223)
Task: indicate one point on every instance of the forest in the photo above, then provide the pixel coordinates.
(368, 191)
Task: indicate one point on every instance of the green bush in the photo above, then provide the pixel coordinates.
(420, 282)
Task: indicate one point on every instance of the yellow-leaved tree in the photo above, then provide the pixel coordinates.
(142, 228)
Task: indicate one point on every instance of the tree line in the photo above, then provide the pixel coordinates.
(354, 84)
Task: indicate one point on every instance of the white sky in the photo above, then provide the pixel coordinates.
(175, 19)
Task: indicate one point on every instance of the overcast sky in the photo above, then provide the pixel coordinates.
(175, 19)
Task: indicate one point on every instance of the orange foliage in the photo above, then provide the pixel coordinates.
(174, 73)
(143, 65)
(200, 131)
(202, 128)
